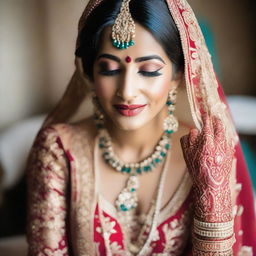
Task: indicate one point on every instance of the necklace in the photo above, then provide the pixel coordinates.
(127, 199)
(145, 165)
(153, 223)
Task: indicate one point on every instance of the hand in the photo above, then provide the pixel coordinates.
(209, 156)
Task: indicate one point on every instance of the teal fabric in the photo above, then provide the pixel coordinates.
(210, 42)
(250, 157)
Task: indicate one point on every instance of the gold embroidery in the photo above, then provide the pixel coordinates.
(201, 82)
(176, 234)
(83, 194)
(245, 251)
(117, 250)
(47, 179)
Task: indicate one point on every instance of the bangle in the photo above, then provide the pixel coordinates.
(200, 253)
(214, 246)
(213, 225)
(214, 233)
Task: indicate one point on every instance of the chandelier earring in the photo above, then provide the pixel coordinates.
(170, 122)
(98, 115)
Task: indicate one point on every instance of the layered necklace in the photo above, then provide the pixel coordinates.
(127, 199)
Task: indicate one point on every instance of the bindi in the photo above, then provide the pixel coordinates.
(128, 59)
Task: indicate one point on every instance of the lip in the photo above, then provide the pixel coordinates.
(129, 110)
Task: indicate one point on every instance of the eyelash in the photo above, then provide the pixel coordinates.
(143, 73)
(110, 72)
(150, 74)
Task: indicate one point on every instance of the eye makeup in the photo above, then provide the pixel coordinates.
(108, 68)
(148, 66)
(150, 73)
(150, 70)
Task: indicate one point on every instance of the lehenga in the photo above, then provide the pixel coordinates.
(66, 212)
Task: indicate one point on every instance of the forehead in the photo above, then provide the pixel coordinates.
(145, 44)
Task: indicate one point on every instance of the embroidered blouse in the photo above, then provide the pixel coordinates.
(170, 237)
(64, 213)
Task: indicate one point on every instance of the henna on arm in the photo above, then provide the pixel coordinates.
(208, 157)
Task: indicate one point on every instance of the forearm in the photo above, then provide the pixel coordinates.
(209, 156)
(213, 222)
(213, 204)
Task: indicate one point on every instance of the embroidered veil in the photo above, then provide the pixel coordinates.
(201, 93)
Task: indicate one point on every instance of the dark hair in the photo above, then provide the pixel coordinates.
(153, 15)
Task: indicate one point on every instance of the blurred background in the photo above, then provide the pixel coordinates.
(36, 62)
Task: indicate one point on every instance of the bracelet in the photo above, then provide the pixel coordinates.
(214, 233)
(213, 225)
(200, 253)
(214, 246)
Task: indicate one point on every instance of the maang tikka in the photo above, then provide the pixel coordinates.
(170, 122)
(123, 30)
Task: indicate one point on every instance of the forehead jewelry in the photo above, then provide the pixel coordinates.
(123, 30)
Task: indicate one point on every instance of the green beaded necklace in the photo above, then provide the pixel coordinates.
(127, 200)
(143, 166)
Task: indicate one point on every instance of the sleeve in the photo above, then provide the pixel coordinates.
(47, 177)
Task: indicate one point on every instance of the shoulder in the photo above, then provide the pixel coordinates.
(76, 139)
(69, 133)
(65, 140)
(47, 155)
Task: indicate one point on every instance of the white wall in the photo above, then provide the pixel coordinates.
(21, 59)
(36, 54)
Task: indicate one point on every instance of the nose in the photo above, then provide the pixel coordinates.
(127, 88)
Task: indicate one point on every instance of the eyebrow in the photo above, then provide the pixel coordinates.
(150, 57)
(140, 59)
(109, 56)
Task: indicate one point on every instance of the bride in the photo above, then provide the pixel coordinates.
(157, 169)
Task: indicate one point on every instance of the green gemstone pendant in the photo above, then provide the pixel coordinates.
(127, 199)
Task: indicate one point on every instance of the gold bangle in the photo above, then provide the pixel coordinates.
(214, 234)
(213, 225)
(214, 246)
(201, 253)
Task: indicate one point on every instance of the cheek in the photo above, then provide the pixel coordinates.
(104, 89)
(159, 90)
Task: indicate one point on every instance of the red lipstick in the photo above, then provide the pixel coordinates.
(129, 110)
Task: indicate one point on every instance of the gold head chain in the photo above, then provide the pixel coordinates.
(123, 30)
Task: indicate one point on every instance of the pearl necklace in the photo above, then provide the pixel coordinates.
(145, 165)
(127, 199)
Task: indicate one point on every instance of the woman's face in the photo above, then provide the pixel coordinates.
(132, 85)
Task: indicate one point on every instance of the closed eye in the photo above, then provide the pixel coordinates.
(110, 72)
(150, 73)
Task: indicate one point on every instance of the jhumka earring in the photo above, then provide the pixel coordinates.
(98, 115)
(123, 30)
(171, 123)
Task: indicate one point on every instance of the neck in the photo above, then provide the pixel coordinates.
(135, 145)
